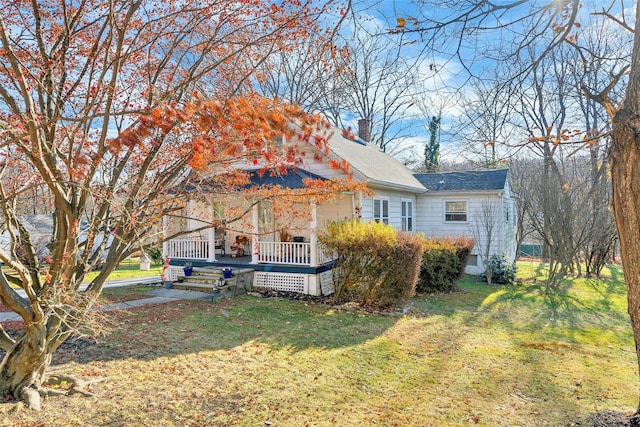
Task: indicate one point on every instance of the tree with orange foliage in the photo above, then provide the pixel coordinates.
(99, 111)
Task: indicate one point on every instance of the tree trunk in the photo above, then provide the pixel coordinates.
(24, 367)
(625, 176)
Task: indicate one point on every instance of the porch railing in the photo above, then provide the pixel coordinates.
(324, 257)
(288, 253)
(188, 249)
(291, 253)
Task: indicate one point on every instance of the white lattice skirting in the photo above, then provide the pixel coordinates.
(287, 282)
(174, 272)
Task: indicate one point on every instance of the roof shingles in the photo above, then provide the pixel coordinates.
(375, 166)
(464, 181)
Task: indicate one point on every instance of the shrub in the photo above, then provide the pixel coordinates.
(376, 264)
(155, 253)
(398, 275)
(443, 263)
(502, 271)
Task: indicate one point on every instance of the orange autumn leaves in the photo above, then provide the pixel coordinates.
(213, 131)
(563, 136)
(216, 139)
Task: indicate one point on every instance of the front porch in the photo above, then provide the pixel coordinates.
(282, 253)
(281, 247)
(281, 266)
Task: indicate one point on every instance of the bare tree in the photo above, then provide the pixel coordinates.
(380, 85)
(484, 231)
(365, 75)
(308, 74)
(485, 125)
(559, 55)
(522, 173)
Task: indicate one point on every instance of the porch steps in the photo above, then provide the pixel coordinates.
(209, 278)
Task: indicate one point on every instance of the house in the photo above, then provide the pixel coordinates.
(477, 204)
(284, 253)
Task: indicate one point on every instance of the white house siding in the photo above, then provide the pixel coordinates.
(198, 209)
(395, 206)
(322, 167)
(334, 210)
(431, 220)
(510, 241)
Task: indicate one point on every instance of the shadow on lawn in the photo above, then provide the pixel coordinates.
(561, 313)
(594, 303)
(165, 330)
(560, 306)
(476, 341)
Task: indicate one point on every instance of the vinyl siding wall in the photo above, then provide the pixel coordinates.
(431, 220)
(395, 206)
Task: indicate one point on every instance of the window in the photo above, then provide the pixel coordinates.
(472, 260)
(407, 215)
(381, 210)
(455, 212)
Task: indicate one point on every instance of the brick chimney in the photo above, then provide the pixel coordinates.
(364, 129)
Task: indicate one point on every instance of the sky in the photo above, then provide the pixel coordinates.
(448, 85)
(444, 76)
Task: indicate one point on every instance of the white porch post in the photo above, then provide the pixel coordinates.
(313, 238)
(165, 243)
(254, 236)
(211, 237)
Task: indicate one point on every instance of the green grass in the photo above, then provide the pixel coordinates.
(489, 355)
(129, 268)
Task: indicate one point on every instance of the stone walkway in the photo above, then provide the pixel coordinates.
(157, 296)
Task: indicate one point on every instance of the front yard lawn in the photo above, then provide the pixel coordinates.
(490, 355)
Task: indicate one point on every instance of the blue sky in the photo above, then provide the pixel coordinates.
(451, 79)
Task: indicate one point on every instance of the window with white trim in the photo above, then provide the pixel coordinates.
(407, 215)
(455, 211)
(381, 210)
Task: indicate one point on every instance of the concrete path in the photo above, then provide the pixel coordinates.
(158, 296)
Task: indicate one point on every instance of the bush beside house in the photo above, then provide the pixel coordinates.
(503, 272)
(443, 263)
(377, 264)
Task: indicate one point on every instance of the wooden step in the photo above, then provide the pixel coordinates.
(208, 279)
(201, 278)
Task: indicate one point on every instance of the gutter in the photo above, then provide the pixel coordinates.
(386, 184)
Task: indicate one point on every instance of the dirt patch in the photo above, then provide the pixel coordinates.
(609, 419)
(329, 301)
(68, 351)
